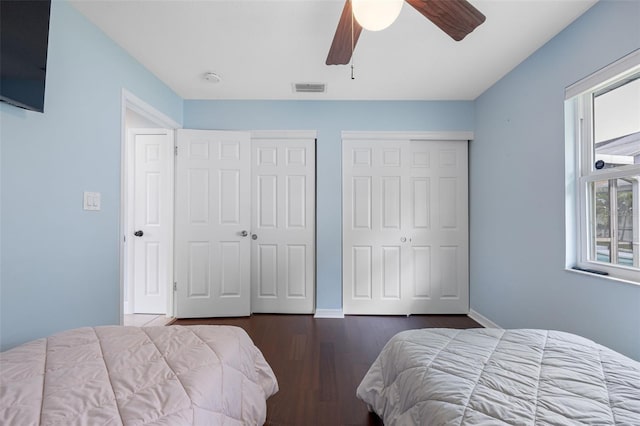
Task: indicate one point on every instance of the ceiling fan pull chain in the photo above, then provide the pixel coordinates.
(352, 44)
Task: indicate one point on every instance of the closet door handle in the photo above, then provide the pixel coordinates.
(244, 233)
(138, 233)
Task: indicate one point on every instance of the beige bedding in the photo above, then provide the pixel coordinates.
(197, 375)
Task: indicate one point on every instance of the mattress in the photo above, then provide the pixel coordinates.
(493, 377)
(196, 375)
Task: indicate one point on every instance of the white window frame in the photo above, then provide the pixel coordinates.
(580, 131)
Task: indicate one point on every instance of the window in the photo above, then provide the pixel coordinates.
(605, 134)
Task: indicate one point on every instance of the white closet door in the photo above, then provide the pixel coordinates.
(405, 227)
(150, 218)
(213, 182)
(283, 226)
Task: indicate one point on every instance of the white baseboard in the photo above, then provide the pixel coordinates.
(329, 313)
(482, 320)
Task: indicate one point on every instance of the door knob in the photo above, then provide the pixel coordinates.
(403, 239)
(244, 233)
(138, 233)
(254, 237)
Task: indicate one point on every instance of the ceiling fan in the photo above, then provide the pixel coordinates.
(457, 18)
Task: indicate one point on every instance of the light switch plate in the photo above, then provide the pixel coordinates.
(92, 201)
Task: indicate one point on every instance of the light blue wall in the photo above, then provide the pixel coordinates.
(329, 118)
(517, 175)
(60, 264)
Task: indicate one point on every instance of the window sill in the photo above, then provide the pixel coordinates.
(604, 277)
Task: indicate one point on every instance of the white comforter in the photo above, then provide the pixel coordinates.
(198, 375)
(492, 377)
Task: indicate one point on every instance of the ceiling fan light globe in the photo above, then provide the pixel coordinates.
(376, 15)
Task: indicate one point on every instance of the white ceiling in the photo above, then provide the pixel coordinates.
(260, 48)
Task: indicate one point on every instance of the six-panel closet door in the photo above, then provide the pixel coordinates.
(405, 227)
(245, 224)
(213, 219)
(283, 226)
(150, 219)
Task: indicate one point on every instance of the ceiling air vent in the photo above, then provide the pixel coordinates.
(309, 87)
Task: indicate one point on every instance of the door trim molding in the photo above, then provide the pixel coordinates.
(134, 103)
(129, 101)
(440, 136)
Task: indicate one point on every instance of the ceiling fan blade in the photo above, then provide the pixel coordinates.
(455, 17)
(343, 41)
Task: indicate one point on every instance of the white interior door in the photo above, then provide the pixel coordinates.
(405, 227)
(283, 226)
(213, 190)
(150, 221)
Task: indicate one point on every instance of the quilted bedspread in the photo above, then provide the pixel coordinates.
(173, 376)
(493, 377)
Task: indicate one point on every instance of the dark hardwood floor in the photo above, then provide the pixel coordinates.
(320, 362)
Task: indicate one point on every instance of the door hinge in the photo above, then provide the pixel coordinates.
(175, 286)
(175, 150)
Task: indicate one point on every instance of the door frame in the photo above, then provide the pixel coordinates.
(425, 136)
(131, 102)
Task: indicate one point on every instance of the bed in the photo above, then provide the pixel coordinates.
(493, 377)
(112, 375)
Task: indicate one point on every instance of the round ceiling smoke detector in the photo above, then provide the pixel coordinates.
(212, 77)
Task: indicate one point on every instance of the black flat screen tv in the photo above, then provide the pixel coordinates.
(24, 38)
